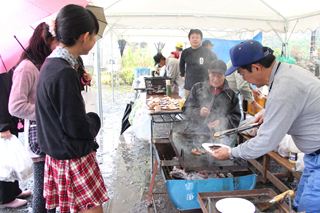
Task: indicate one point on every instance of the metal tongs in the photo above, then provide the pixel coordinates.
(235, 130)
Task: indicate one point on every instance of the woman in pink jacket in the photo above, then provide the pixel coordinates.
(22, 102)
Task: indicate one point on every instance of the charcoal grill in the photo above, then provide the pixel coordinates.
(183, 143)
(183, 193)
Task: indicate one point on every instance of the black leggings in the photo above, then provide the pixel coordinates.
(38, 201)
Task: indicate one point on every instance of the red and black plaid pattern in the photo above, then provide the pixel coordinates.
(73, 185)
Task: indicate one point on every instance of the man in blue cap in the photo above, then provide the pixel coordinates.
(293, 107)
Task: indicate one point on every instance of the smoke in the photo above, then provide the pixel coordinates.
(222, 113)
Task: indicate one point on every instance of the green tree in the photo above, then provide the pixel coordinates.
(134, 57)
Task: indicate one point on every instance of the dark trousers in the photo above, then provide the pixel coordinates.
(38, 202)
(9, 191)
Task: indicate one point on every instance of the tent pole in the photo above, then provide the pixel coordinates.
(313, 45)
(293, 30)
(114, 3)
(98, 79)
(284, 42)
(112, 66)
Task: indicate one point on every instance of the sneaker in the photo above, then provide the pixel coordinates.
(24, 194)
(16, 203)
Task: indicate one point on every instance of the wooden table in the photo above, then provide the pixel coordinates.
(264, 168)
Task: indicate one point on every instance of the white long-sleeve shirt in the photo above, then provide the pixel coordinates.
(293, 107)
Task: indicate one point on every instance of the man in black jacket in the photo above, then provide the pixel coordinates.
(212, 105)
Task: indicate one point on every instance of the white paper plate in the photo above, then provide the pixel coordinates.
(232, 205)
(208, 146)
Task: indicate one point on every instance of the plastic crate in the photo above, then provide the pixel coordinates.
(141, 71)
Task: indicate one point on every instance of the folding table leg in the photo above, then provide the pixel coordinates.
(153, 178)
(151, 148)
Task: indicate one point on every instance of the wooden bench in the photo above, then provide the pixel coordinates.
(263, 166)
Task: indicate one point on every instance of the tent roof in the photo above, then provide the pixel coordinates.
(264, 15)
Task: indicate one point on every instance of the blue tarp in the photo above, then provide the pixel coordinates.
(222, 46)
(141, 71)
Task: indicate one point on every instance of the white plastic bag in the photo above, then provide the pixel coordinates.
(286, 146)
(180, 82)
(300, 162)
(140, 119)
(15, 163)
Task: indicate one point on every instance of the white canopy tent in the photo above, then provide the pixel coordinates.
(174, 18)
(127, 17)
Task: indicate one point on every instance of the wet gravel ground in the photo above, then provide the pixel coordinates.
(124, 161)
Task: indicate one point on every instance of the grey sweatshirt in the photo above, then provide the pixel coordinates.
(293, 107)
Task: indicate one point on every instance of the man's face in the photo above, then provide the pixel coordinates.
(216, 79)
(209, 46)
(254, 77)
(195, 40)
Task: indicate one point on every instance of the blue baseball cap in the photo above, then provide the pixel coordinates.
(245, 53)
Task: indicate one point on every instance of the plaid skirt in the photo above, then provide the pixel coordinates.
(32, 138)
(73, 185)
